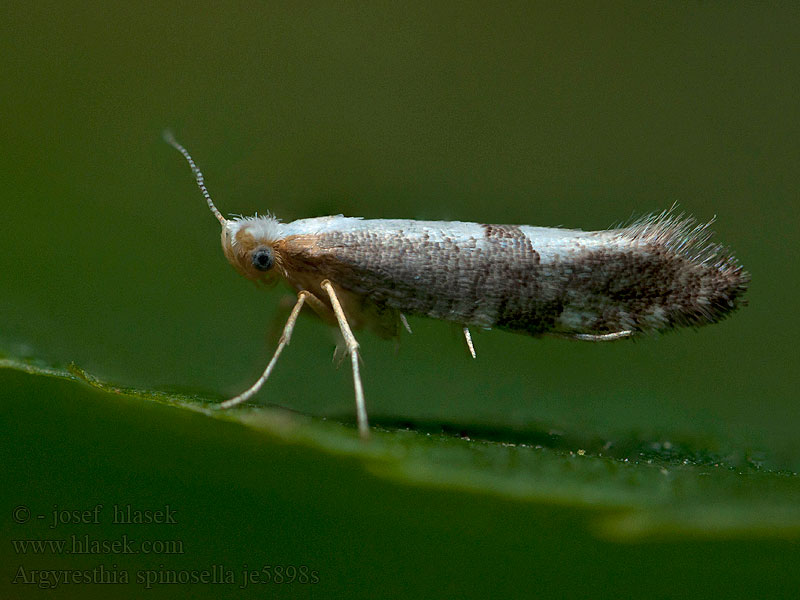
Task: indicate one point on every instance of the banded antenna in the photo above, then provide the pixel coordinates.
(170, 139)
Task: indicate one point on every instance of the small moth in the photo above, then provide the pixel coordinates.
(656, 274)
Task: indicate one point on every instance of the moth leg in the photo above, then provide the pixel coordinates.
(284, 341)
(278, 319)
(404, 321)
(319, 307)
(606, 337)
(352, 348)
(326, 314)
(468, 338)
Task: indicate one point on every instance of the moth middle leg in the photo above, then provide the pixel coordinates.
(352, 348)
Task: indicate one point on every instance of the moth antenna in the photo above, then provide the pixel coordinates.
(170, 139)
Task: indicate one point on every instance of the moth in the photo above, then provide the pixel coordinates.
(656, 274)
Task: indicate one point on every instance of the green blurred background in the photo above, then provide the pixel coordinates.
(545, 114)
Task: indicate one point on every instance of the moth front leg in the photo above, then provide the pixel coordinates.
(302, 297)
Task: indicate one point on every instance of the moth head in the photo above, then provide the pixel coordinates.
(248, 242)
(249, 245)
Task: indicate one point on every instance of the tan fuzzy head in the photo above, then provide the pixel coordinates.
(248, 242)
(250, 245)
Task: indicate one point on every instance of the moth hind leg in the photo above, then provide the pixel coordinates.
(468, 339)
(606, 337)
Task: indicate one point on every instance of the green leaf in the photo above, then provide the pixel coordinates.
(634, 488)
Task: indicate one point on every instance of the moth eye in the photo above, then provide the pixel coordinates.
(262, 258)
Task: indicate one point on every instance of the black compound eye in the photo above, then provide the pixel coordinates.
(262, 258)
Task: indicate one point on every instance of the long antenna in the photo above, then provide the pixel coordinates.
(170, 139)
